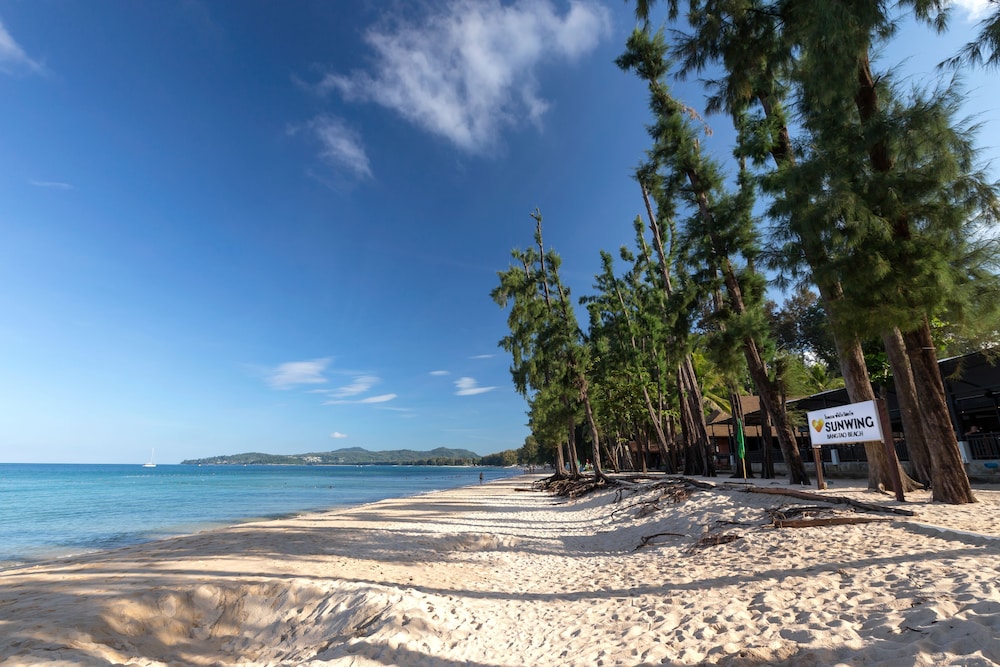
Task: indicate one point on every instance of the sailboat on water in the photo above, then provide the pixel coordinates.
(152, 460)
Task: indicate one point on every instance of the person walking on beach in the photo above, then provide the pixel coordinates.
(480, 477)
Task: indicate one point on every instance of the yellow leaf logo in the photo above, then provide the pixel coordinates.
(817, 424)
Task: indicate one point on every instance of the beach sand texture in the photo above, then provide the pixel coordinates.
(500, 575)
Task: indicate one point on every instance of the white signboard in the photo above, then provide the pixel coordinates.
(857, 422)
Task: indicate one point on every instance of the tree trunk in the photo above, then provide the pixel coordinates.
(849, 352)
(949, 481)
(642, 449)
(770, 403)
(691, 394)
(909, 407)
(669, 457)
(767, 457)
(588, 409)
(574, 459)
(693, 426)
(859, 389)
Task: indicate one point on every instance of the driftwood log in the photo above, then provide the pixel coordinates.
(857, 504)
(827, 521)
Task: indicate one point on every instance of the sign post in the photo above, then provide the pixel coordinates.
(818, 458)
(857, 422)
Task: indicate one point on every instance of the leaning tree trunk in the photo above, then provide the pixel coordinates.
(693, 425)
(650, 410)
(560, 460)
(644, 453)
(849, 352)
(859, 389)
(909, 406)
(669, 457)
(594, 434)
(769, 400)
(574, 459)
(767, 457)
(691, 394)
(779, 418)
(694, 463)
(949, 481)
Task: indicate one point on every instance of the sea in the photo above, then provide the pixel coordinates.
(52, 511)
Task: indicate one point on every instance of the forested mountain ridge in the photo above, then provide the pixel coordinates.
(347, 456)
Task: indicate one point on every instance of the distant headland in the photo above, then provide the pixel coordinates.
(440, 456)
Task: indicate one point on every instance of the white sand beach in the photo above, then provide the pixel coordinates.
(501, 575)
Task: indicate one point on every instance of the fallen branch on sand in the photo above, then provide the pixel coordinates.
(827, 521)
(805, 495)
(804, 516)
(714, 539)
(644, 540)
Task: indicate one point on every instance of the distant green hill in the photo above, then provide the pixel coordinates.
(348, 456)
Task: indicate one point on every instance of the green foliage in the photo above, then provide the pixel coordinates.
(506, 458)
(800, 326)
(985, 49)
(348, 456)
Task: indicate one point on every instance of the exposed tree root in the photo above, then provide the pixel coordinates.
(671, 490)
(573, 487)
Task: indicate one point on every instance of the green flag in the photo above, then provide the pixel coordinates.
(740, 446)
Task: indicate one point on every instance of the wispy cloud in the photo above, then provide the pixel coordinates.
(340, 146)
(56, 185)
(439, 373)
(293, 373)
(360, 385)
(482, 356)
(381, 398)
(469, 387)
(974, 9)
(467, 72)
(337, 435)
(13, 59)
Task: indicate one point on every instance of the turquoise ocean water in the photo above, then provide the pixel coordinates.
(55, 510)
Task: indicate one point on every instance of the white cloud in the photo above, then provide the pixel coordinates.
(361, 384)
(468, 71)
(439, 373)
(974, 9)
(340, 146)
(51, 184)
(381, 398)
(337, 435)
(12, 57)
(469, 387)
(482, 356)
(294, 373)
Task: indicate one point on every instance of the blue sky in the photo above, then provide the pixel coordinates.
(274, 226)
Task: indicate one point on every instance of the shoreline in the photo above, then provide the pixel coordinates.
(101, 507)
(496, 574)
